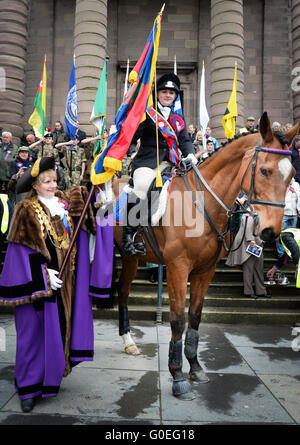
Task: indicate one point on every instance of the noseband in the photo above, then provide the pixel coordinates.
(253, 160)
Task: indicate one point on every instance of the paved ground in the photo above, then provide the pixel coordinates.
(254, 376)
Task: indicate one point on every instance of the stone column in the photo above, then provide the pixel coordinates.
(296, 59)
(90, 51)
(13, 37)
(277, 98)
(227, 47)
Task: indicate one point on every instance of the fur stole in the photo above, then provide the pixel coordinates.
(25, 227)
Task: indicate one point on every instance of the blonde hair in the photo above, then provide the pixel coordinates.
(199, 132)
(39, 179)
(41, 176)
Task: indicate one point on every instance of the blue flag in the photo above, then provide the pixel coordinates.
(71, 106)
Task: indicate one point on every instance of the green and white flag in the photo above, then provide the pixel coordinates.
(98, 115)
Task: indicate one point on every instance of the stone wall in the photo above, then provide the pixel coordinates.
(51, 32)
(13, 55)
(264, 42)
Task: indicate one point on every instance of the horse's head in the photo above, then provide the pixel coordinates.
(265, 173)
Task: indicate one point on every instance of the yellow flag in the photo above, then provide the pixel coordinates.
(231, 112)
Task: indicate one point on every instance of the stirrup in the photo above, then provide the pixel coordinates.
(139, 247)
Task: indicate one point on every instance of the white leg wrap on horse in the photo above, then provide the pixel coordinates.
(129, 345)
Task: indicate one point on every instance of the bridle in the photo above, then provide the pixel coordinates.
(252, 190)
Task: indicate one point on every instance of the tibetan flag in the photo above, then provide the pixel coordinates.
(204, 117)
(176, 106)
(231, 112)
(38, 118)
(132, 111)
(71, 105)
(98, 115)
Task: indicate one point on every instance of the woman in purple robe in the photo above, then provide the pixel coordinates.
(53, 317)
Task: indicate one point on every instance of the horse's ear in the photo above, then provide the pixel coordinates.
(292, 132)
(265, 128)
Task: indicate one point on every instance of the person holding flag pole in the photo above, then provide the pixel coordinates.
(136, 108)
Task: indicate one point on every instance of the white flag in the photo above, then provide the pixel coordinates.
(204, 117)
(126, 79)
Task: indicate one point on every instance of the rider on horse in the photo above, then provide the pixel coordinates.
(172, 135)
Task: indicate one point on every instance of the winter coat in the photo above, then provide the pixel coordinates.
(240, 256)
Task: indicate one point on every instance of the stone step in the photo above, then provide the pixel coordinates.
(233, 315)
(275, 302)
(230, 288)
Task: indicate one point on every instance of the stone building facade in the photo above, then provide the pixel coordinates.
(262, 36)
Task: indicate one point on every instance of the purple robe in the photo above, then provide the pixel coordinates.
(40, 358)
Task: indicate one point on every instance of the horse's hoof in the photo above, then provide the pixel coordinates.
(132, 350)
(198, 376)
(182, 390)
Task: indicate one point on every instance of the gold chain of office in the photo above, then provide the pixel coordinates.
(59, 241)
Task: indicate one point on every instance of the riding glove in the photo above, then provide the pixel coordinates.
(192, 158)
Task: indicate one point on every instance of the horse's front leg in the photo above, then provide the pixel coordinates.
(177, 285)
(129, 268)
(198, 287)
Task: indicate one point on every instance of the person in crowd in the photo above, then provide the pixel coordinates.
(8, 152)
(276, 126)
(144, 164)
(291, 211)
(45, 144)
(208, 135)
(22, 160)
(287, 127)
(75, 162)
(290, 239)
(192, 132)
(250, 126)
(207, 151)
(252, 265)
(31, 139)
(53, 318)
(79, 135)
(6, 212)
(17, 168)
(198, 142)
(59, 134)
(296, 157)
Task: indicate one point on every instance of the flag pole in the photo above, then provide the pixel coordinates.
(76, 232)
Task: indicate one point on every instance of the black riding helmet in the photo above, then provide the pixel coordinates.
(169, 81)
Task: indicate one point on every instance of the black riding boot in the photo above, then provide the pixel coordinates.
(129, 246)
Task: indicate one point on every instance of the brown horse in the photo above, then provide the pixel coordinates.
(193, 250)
